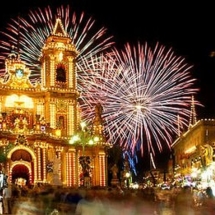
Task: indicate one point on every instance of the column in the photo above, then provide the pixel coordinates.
(102, 169)
(52, 71)
(68, 169)
(39, 164)
(44, 164)
(52, 112)
(71, 118)
(71, 168)
(59, 150)
(72, 73)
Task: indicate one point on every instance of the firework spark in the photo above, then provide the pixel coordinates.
(142, 91)
(29, 34)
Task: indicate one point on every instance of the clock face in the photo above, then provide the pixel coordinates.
(19, 73)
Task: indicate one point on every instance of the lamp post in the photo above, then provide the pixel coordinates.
(127, 176)
(83, 138)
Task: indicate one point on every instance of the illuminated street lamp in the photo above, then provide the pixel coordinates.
(127, 176)
(83, 138)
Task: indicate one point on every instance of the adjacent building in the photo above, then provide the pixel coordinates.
(194, 153)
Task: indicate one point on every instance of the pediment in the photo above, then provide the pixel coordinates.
(59, 29)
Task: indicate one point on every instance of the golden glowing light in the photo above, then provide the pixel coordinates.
(190, 150)
(74, 139)
(58, 133)
(96, 139)
(60, 56)
(91, 142)
(22, 101)
(83, 125)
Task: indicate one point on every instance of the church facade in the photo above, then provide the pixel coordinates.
(38, 121)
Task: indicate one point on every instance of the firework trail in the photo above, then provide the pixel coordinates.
(142, 91)
(28, 34)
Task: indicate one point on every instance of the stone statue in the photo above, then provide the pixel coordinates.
(114, 171)
(207, 154)
(56, 165)
(98, 113)
(55, 176)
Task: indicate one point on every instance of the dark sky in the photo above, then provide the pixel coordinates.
(187, 28)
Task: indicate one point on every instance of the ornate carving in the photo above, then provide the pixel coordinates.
(21, 140)
(207, 154)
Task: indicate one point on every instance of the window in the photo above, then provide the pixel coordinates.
(61, 73)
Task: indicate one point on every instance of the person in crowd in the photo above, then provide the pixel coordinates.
(1, 180)
(184, 202)
(89, 204)
(1, 202)
(209, 201)
(7, 194)
(209, 192)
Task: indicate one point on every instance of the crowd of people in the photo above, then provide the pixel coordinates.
(52, 200)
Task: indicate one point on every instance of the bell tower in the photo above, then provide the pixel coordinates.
(58, 79)
(58, 60)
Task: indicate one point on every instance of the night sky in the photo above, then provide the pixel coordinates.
(186, 28)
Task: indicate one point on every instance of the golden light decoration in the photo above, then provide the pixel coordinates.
(58, 132)
(60, 56)
(83, 137)
(17, 101)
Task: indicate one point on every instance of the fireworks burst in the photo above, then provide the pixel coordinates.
(142, 91)
(29, 34)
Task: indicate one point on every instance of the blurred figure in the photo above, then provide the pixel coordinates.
(114, 170)
(209, 192)
(89, 204)
(184, 202)
(7, 194)
(199, 197)
(1, 180)
(210, 201)
(1, 202)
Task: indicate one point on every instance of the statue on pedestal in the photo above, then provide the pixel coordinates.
(86, 170)
(114, 170)
(56, 168)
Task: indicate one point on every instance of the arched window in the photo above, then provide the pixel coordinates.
(61, 73)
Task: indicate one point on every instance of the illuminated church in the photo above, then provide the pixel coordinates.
(39, 120)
